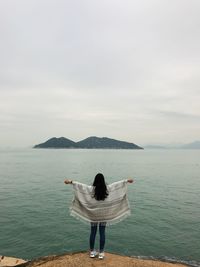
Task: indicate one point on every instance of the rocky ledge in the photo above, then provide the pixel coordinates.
(81, 259)
(10, 261)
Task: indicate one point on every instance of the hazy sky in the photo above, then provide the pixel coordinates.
(129, 70)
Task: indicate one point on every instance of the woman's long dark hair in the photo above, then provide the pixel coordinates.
(100, 188)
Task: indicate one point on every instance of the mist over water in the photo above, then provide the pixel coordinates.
(34, 202)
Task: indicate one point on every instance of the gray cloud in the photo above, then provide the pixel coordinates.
(125, 69)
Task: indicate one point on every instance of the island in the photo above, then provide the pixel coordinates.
(92, 142)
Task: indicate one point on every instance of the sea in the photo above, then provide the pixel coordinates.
(164, 200)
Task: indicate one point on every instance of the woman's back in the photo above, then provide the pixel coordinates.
(113, 208)
(100, 204)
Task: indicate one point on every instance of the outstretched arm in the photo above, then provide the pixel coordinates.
(129, 180)
(78, 186)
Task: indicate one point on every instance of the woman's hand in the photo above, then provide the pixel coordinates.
(68, 181)
(130, 180)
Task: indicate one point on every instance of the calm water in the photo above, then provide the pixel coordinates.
(165, 202)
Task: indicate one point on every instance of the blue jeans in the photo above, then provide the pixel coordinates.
(102, 227)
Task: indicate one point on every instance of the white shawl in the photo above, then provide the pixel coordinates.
(113, 209)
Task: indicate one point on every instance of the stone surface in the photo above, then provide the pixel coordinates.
(82, 259)
(10, 261)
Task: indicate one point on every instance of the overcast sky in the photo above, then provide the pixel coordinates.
(128, 70)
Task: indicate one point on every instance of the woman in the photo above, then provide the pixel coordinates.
(100, 205)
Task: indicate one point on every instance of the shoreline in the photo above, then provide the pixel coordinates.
(81, 259)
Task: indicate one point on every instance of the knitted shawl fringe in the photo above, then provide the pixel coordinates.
(107, 223)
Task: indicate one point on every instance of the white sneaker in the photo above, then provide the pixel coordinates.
(101, 255)
(93, 254)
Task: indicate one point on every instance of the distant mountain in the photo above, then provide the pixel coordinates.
(193, 145)
(88, 143)
(54, 142)
(105, 142)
